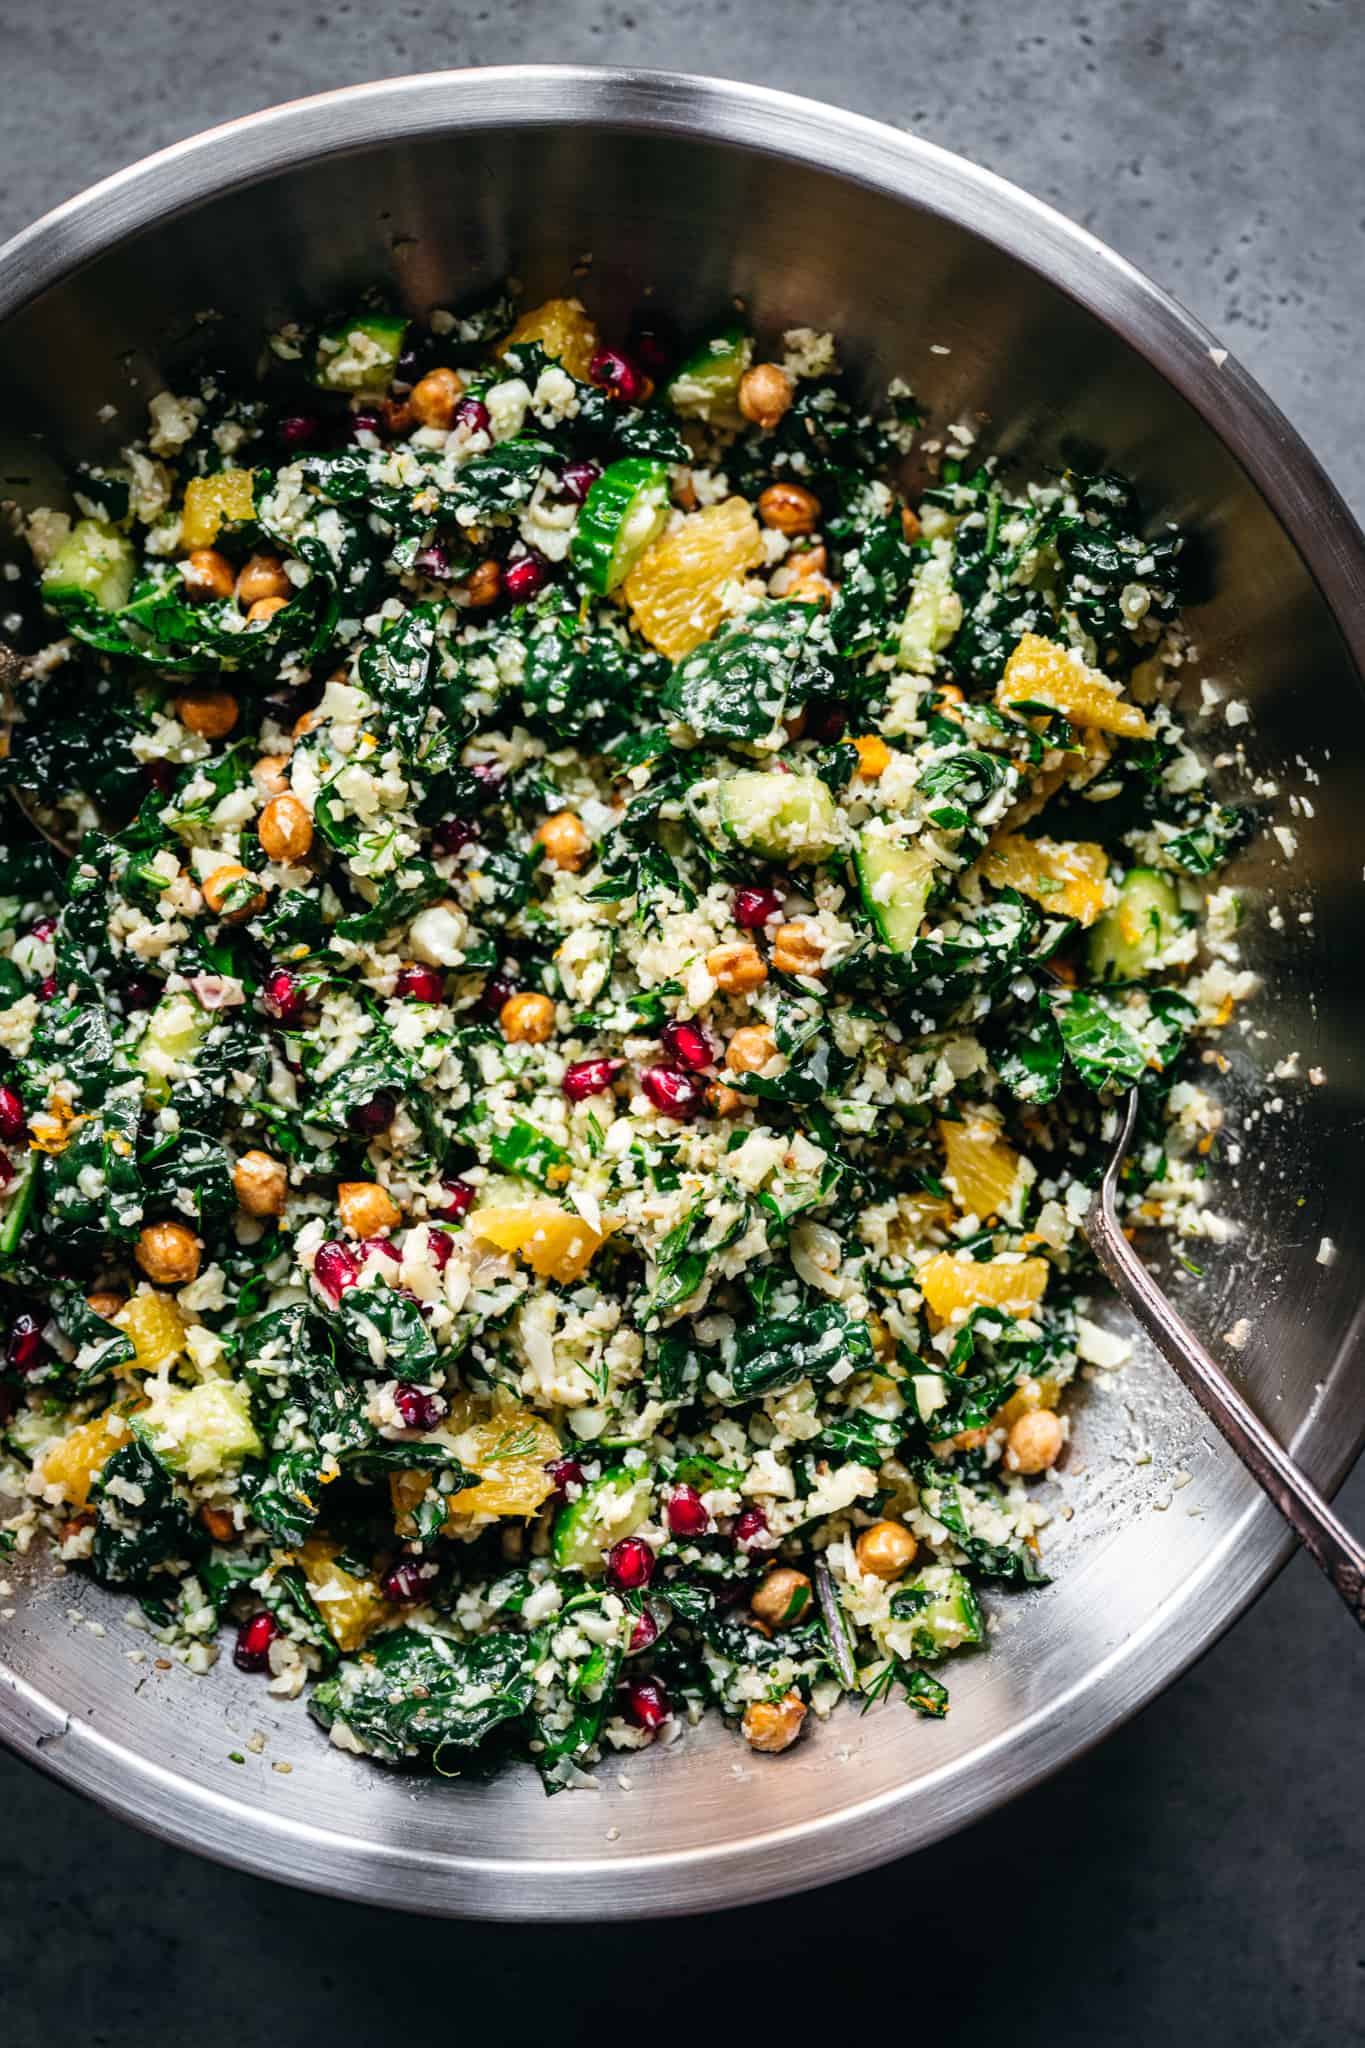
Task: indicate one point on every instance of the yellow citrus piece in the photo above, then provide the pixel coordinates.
(508, 1446)
(349, 1605)
(556, 1243)
(949, 1283)
(156, 1328)
(1041, 672)
(1069, 877)
(1028, 1395)
(74, 1459)
(674, 590)
(213, 501)
(986, 1172)
(563, 330)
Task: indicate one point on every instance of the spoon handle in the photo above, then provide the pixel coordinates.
(1330, 1544)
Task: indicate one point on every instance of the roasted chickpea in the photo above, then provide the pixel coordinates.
(399, 417)
(796, 950)
(265, 608)
(750, 1049)
(565, 839)
(723, 1101)
(950, 702)
(306, 722)
(263, 576)
(210, 713)
(527, 1019)
(765, 394)
(207, 574)
(910, 526)
(168, 1254)
(366, 1208)
(285, 829)
(219, 1524)
(805, 579)
(271, 774)
(106, 1302)
(773, 1725)
(483, 587)
(737, 967)
(226, 893)
(885, 1550)
(783, 1597)
(1034, 1442)
(791, 508)
(260, 1184)
(874, 755)
(433, 398)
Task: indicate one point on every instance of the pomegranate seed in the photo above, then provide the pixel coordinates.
(748, 1527)
(369, 1118)
(672, 1094)
(13, 1121)
(688, 1044)
(282, 995)
(495, 993)
(645, 1632)
(254, 1637)
(42, 928)
(618, 376)
(367, 422)
(576, 479)
(653, 341)
(685, 1514)
(472, 415)
(383, 1245)
(825, 720)
(298, 429)
(630, 1564)
(407, 1580)
(24, 1345)
(589, 1077)
(433, 561)
(647, 1704)
(565, 1472)
(452, 834)
(440, 1244)
(525, 577)
(419, 985)
(47, 988)
(459, 1200)
(753, 907)
(139, 994)
(418, 1410)
(335, 1268)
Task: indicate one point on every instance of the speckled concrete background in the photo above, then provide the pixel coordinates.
(1199, 1879)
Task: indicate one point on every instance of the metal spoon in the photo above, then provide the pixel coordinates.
(1298, 1500)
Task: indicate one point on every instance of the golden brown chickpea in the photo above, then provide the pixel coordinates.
(950, 703)
(874, 756)
(207, 575)
(271, 774)
(210, 713)
(797, 951)
(219, 1524)
(285, 829)
(806, 581)
(263, 576)
(366, 1208)
(226, 881)
(737, 967)
(265, 608)
(399, 417)
(306, 722)
(260, 1184)
(527, 1019)
(765, 394)
(771, 1726)
(168, 1254)
(885, 1550)
(783, 1597)
(723, 1101)
(910, 525)
(750, 1049)
(1035, 1441)
(791, 508)
(483, 587)
(565, 839)
(433, 398)
(106, 1302)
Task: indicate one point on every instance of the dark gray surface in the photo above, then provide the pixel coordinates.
(1201, 1875)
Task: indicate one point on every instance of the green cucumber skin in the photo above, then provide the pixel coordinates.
(716, 370)
(897, 919)
(755, 804)
(617, 495)
(93, 562)
(386, 330)
(568, 1545)
(1152, 899)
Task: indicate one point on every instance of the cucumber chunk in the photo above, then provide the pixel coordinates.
(624, 512)
(360, 354)
(1127, 939)
(706, 385)
(94, 562)
(942, 1608)
(895, 880)
(607, 1509)
(199, 1430)
(168, 1045)
(788, 818)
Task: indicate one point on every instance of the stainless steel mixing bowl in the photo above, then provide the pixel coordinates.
(614, 183)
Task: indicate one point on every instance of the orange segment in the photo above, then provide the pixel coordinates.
(674, 590)
(563, 330)
(555, 1243)
(984, 1170)
(74, 1459)
(350, 1606)
(949, 1282)
(1069, 877)
(1041, 672)
(213, 501)
(509, 1448)
(156, 1328)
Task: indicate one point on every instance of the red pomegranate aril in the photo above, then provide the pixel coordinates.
(254, 1637)
(407, 1580)
(440, 1244)
(646, 1704)
(433, 561)
(524, 578)
(13, 1122)
(298, 429)
(419, 985)
(418, 1410)
(630, 1564)
(24, 1345)
(576, 479)
(688, 1044)
(282, 996)
(459, 1200)
(748, 1527)
(685, 1513)
(367, 422)
(673, 1094)
(618, 376)
(825, 719)
(385, 1247)
(645, 1632)
(47, 988)
(452, 835)
(42, 927)
(367, 1119)
(753, 907)
(565, 1472)
(589, 1077)
(335, 1269)
(495, 993)
(472, 415)
(139, 994)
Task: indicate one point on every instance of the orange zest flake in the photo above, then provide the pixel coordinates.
(52, 1127)
(1041, 672)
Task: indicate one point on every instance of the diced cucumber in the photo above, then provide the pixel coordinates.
(360, 354)
(932, 616)
(584, 962)
(942, 1610)
(168, 1045)
(607, 1509)
(788, 818)
(198, 1430)
(18, 1201)
(93, 561)
(625, 511)
(706, 385)
(1127, 939)
(895, 880)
